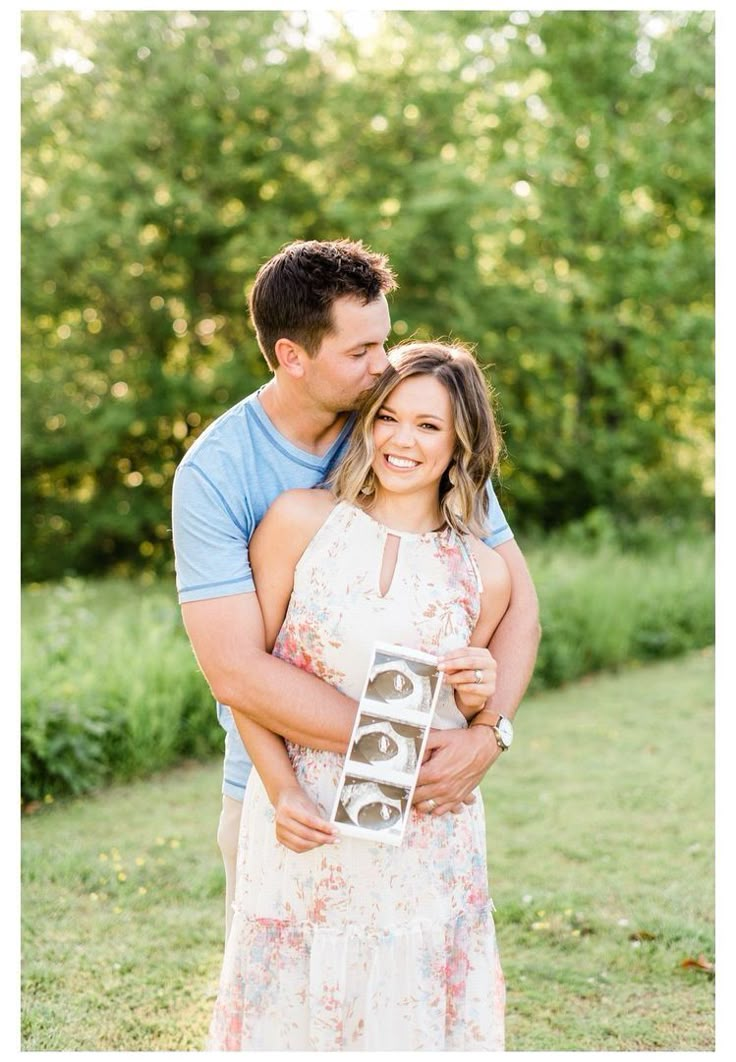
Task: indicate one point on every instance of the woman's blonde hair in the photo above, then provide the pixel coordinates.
(463, 498)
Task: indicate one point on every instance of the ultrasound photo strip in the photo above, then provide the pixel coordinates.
(389, 736)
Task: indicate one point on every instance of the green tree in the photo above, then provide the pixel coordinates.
(542, 183)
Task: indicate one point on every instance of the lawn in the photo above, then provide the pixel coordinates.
(601, 852)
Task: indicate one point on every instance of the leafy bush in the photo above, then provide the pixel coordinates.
(603, 606)
(111, 689)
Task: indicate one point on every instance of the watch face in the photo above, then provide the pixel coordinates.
(506, 731)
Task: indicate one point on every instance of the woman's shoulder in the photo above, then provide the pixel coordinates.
(302, 502)
(493, 569)
(296, 515)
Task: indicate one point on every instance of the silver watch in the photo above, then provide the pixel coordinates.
(504, 732)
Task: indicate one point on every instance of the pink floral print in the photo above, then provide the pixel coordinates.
(362, 946)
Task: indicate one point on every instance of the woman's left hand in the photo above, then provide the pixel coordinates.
(471, 671)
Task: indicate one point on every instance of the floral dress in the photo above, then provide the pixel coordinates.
(363, 946)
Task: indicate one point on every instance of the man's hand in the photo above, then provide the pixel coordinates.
(299, 824)
(458, 761)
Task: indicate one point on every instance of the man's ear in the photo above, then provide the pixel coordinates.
(290, 357)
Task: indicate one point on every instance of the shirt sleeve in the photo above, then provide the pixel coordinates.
(498, 530)
(210, 540)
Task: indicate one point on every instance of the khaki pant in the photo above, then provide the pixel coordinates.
(228, 831)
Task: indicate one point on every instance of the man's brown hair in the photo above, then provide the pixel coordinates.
(294, 291)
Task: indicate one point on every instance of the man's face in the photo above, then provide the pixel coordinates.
(351, 357)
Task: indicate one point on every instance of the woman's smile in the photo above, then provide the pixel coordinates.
(403, 464)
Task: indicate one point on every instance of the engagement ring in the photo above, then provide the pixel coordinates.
(478, 675)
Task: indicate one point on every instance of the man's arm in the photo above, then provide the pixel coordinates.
(460, 758)
(228, 639)
(515, 641)
(226, 629)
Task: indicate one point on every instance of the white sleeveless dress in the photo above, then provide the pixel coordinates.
(363, 946)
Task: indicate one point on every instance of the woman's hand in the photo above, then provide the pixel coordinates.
(472, 672)
(299, 824)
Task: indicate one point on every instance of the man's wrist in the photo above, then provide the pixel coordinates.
(486, 747)
(499, 725)
(484, 736)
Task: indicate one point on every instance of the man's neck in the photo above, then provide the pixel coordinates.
(309, 427)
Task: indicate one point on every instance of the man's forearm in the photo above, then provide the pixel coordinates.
(515, 641)
(460, 758)
(288, 701)
(514, 647)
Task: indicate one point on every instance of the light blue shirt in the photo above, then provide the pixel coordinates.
(222, 489)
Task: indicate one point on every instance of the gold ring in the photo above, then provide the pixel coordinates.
(432, 803)
(478, 675)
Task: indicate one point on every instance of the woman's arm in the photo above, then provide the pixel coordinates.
(298, 824)
(275, 550)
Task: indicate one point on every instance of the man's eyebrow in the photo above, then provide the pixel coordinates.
(368, 343)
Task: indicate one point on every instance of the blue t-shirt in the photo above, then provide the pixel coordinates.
(222, 489)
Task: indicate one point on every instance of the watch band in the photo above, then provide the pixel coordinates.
(485, 717)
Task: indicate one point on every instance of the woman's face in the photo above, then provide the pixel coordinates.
(414, 436)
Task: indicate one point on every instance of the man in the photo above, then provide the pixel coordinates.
(322, 322)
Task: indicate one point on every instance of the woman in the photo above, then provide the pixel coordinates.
(342, 943)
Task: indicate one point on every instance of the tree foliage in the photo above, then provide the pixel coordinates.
(543, 185)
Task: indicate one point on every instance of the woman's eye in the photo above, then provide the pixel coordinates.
(384, 416)
(432, 426)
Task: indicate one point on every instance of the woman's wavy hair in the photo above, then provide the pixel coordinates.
(463, 497)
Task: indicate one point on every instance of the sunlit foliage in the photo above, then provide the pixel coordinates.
(542, 183)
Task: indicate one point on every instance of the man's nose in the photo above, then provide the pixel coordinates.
(378, 362)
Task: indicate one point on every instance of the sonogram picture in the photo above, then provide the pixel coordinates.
(387, 744)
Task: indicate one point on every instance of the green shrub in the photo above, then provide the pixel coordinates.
(63, 747)
(111, 689)
(603, 606)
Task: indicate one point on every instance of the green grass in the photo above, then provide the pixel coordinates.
(107, 966)
(600, 828)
